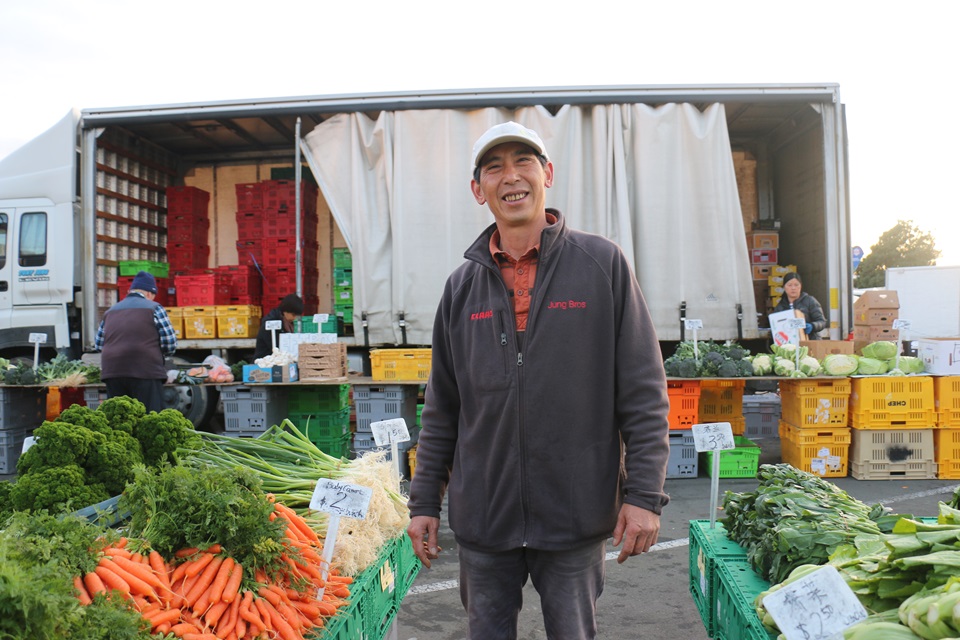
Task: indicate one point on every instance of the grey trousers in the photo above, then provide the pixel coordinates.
(569, 583)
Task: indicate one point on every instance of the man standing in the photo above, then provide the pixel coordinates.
(545, 367)
(134, 337)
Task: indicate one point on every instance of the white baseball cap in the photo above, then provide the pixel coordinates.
(506, 132)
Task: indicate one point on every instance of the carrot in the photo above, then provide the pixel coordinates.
(183, 553)
(260, 605)
(136, 557)
(199, 636)
(139, 570)
(117, 552)
(309, 609)
(325, 608)
(280, 622)
(113, 582)
(198, 565)
(136, 583)
(214, 613)
(229, 622)
(203, 582)
(81, 590)
(159, 567)
(121, 543)
(162, 629)
(241, 628)
(184, 628)
(338, 578)
(220, 581)
(93, 583)
(214, 549)
(157, 618)
(298, 522)
(232, 589)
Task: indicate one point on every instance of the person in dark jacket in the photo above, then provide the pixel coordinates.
(134, 337)
(545, 366)
(795, 298)
(291, 308)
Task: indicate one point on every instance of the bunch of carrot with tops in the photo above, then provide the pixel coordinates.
(264, 580)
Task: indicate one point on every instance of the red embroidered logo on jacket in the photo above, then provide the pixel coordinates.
(483, 315)
(567, 304)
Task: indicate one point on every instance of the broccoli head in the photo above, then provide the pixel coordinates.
(688, 368)
(728, 369)
(161, 434)
(56, 489)
(123, 412)
(85, 417)
(58, 444)
(112, 466)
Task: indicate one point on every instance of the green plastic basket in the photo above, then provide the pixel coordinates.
(738, 585)
(133, 267)
(342, 259)
(708, 547)
(318, 399)
(741, 462)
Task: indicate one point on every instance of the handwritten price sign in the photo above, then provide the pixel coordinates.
(713, 436)
(341, 499)
(390, 431)
(818, 606)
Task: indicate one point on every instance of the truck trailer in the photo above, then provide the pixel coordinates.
(678, 175)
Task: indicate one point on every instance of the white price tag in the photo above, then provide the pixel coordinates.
(713, 436)
(387, 431)
(341, 499)
(901, 324)
(320, 318)
(271, 325)
(818, 606)
(692, 324)
(37, 338)
(818, 466)
(27, 443)
(796, 323)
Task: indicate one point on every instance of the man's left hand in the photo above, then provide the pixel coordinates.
(637, 528)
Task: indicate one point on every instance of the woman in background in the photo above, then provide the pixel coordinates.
(794, 298)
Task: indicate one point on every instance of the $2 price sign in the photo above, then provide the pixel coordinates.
(341, 499)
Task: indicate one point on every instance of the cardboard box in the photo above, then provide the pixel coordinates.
(763, 256)
(941, 356)
(879, 299)
(763, 240)
(278, 373)
(878, 317)
(873, 333)
(820, 349)
(762, 271)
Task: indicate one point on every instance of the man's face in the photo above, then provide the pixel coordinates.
(513, 184)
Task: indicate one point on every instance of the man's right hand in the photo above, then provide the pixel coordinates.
(423, 534)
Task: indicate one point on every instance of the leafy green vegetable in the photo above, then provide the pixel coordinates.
(840, 364)
(810, 366)
(908, 364)
(83, 416)
(871, 367)
(881, 350)
(762, 364)
(161, 434)
(57, 489)
(784, 367)
(122, 412)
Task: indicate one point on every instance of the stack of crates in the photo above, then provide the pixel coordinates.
(238, 321)
(709, 549)
(249, 411)
(160, 270)
(684, 398)
(761, 243)
(245, 282)
(343, 287)
(722, 401)
(374, 403)
(202, 287)
(266, 237)
(894, 420)
(873, 316)
(188, 226)
(814, 428)
(322, 413)
(946, 438)
(22, 409)
(761, 415)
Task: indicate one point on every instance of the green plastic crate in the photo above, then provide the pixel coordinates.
(741, 462)
(738, 585)
(307, 325)
(318, 399)
(322, 424)
(133, 267)
(342, 259)
(707, 547)
(337, 446)
(343, 277)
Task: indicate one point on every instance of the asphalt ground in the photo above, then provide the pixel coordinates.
(648, 596)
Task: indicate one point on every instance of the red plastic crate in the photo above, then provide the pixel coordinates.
(281, 194)
(186, 229)
(249, 196)
(244, 280)
(278, 252)
(187, 200)
(209, 289)
(249, 226)
(187, 255)
(250, 252)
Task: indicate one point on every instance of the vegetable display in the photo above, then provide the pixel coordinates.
(709, 359)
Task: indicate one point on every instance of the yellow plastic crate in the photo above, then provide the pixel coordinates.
(176, 320)
(946, 443)
(946, 399)
(412, 457)
(721, 400)
(813, 403)
(199, 322)
(902, 402)
(240, 321)
(400, 364)
(824, 452)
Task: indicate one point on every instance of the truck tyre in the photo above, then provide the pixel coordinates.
(198, 402)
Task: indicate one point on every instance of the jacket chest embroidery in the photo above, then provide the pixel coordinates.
(482, 315)
(566, 305)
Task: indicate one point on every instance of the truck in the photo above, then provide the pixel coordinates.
(679, 175)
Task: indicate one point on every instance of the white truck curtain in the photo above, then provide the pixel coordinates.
(658, 181)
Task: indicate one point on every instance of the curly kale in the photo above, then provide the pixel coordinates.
(84, 417)
(59, 444)
(112, 466)
(57, 489)
(123, 412)
(5, 509)
(161, 434)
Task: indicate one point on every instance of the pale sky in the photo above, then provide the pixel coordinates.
(895, 63)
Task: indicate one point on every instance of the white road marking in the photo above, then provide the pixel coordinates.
(682, 542)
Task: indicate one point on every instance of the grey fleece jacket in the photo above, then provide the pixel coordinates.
(528, 441)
